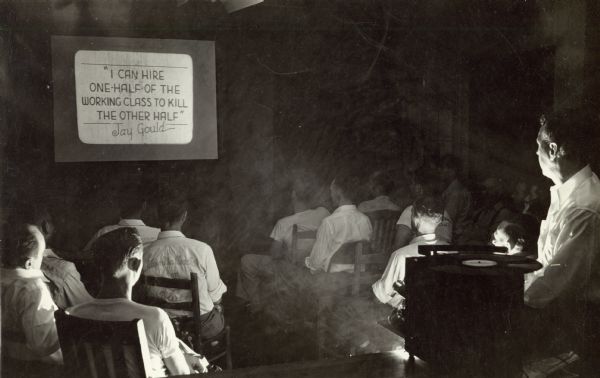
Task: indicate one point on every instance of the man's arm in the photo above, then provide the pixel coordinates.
(577, 246)
(39, 326)
(215, 286)
(176, 364)
(319, 253)
(403, 236)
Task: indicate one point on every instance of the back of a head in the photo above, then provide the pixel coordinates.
(131, 200)
(517, 236)
(381, 183)
(430, 207)
(305, 186)
(573, 130)
(112, 250)
(171, 207)
(348, 184)
(23, 241)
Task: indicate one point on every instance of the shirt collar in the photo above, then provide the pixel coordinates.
(170, 234)
(345, 208)
(22, 273)
(131, 222)
(382, 198)
(562, 191)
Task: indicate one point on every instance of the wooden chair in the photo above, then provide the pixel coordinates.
(297, 235)
(384, 230)
(95, 348)
(213, 348)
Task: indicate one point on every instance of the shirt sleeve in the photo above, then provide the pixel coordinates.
(319, 253)
(75, 291)
(570, 268)
(37, 320)
(166, 340)
(279, 231)
(394, 271)
(215, 286)
(405, 217)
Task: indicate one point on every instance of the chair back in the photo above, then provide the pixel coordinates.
(384, 230)
(346, 254)
(297, 253)
(213, 348)
(96, 348)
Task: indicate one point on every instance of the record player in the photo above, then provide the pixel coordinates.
(463, 308)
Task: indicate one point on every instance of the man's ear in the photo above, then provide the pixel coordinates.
(553, 150)
(28, 263)
(134, 263)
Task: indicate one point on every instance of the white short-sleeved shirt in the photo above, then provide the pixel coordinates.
(376, 204)
(308, 220)
(443, 230)
(396, 267)
(28, 328)
(173, 255)
(345, 225)
(162, 342)
(147, 234)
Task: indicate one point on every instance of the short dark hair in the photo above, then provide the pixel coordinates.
(112, 250)
(348, 183)
(171, 207)
(382, 182)
(131, 199)
(572, 130)
(429, 206)
(20, 244)
(305, 185)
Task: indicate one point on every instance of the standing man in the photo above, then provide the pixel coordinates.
(569, 241)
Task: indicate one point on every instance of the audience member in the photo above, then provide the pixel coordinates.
(65, 282)
(512, 236)
(422, 185)
(427, 214)
(492, 206)
(28, 328)
(132, 203)
(381, 186)
(173, 255)
(119, 256)
(256, 268)
(569, 241)
(456, 197)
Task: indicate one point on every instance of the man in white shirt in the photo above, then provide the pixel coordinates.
(569, 241)
(28, 328)
(257, 268)
(119, 256)
(65, 282)
(132, 204)
(173, 255)
(426, 216)
(380, 187)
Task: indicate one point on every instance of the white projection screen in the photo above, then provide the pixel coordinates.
(120, 99)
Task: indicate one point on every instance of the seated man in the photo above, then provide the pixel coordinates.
(426, 216)
(421, 185)
(456, 197)
(28, 328)
(173, 255)
(512, 236)
(132, 204)
(65, 282)
(380, 187)
(256, 267)
(119, 256)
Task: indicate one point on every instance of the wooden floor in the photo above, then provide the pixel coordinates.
(389, 364)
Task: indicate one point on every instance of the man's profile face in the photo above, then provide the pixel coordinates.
(543, 155)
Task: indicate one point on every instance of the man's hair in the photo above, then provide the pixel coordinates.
(19, 245)
(171, 207)
(573, 130)
(305, 185)
(430, 207)
(131, 200)
(348, 184)
(112, 250)
(516, 234)
(382, 182)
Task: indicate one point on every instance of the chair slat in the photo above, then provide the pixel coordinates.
(171, 283)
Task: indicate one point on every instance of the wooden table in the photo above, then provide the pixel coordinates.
(389, 364)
